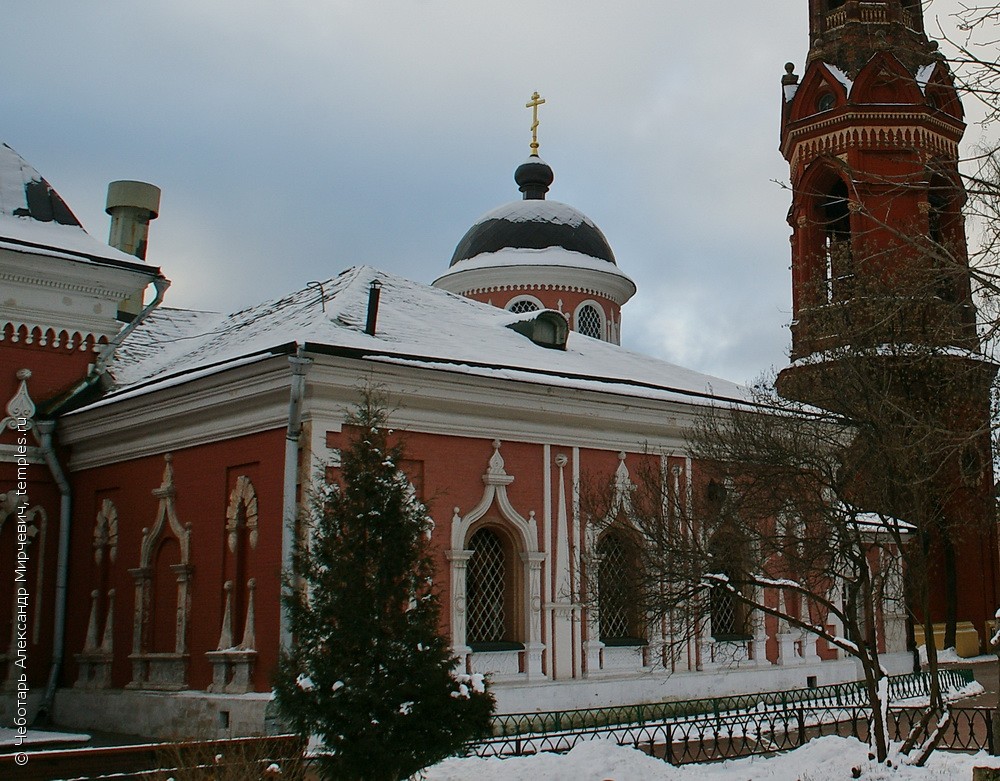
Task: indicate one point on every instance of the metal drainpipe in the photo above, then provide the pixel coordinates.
(300, 365)
(160, 284)
(45, 429)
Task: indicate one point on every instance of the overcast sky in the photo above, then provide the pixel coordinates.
(294, 139)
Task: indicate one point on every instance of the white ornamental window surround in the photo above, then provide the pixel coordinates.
(521, 304)
(590, 320)
(97, 655)
(150, 669)
(241, 539)
(611, 623)
(495, 514)
(241, 514)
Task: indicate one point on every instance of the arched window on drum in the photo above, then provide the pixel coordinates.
(590, 320)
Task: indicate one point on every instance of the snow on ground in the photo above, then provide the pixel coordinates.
(602, 760)
(973, 689)
(38, 738)
(950, 656)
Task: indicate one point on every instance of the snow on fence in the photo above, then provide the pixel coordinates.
(717, 728)
(852, 693)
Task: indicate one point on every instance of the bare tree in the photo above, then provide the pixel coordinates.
(764, 532)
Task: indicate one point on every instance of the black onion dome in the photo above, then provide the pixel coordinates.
(534, 225)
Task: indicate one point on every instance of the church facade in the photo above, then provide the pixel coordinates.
(155, 463)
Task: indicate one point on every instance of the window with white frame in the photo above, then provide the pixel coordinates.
(590, 321)
(522, 306)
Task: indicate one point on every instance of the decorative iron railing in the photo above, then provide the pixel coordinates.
(878, 12)
(841, 694)
(731, 735)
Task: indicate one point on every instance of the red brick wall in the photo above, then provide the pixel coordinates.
(203, 478)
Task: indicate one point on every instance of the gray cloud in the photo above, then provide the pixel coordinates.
(294, 139)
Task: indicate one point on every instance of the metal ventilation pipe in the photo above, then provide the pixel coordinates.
(131, 206)
(374, 292)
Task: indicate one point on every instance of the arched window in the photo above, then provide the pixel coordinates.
(727, 556)
(729, 614)
(491, 593)
(837, 260)
(618, 597)
(523, 305)
(589, 321)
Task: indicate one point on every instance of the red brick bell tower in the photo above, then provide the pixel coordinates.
(881, 284)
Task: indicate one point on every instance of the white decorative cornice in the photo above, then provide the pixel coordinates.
(60, 285)
(12, 454)
(33, 333)
(245, 400)
(251, 399)
(44, 296)
(611, 284)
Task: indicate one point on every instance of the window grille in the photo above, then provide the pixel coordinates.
(485, 588)
(522, 306)
(588, 322)
(616, 597)
(726, 621)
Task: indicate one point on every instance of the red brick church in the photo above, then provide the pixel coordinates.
(153, 460)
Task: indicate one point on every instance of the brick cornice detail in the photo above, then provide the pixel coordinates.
(800, 150)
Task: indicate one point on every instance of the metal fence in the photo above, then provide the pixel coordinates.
(852, 693)
(720, 728)
(732, 735)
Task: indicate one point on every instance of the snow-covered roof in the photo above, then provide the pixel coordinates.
(924, 74)
(840, 76)
(538, 211)
(417, 324)
(882, 523)
(35, 219)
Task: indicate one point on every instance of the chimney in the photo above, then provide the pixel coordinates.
(131, 206)
(374, 292)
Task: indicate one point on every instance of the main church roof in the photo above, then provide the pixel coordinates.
(418, 325)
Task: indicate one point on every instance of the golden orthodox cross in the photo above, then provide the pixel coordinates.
(533, 104)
